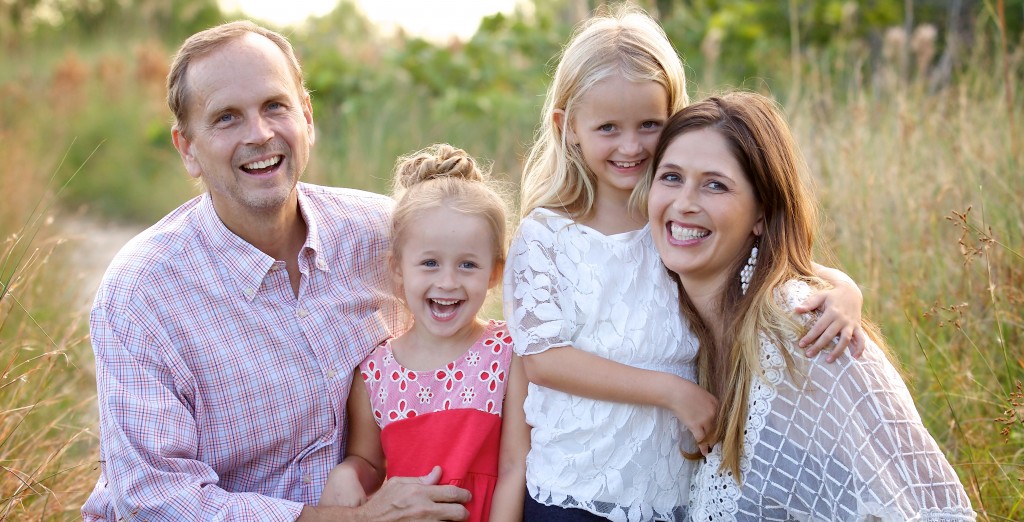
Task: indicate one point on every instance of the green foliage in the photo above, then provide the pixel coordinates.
(900, 151)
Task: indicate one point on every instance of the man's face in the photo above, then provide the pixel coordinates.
(250, 129)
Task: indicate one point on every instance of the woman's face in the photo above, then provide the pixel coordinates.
(703, 211)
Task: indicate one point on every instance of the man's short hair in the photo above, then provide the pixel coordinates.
(207, 41)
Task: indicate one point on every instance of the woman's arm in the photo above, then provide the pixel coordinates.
(507, 503)
(571, 370)
(840, 319)
(362, 471)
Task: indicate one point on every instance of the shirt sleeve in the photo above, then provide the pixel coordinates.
(538, 314)
(151, 469)
(845, 440)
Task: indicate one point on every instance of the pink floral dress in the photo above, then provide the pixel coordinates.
(450, 416)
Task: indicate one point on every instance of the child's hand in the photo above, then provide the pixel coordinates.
(696, 408)
(839, 321)
(342, 488)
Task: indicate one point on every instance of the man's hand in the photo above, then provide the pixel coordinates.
(401, 499)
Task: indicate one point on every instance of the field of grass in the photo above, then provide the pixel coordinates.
(922, 188)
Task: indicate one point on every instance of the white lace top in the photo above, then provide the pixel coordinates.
(843, 443)
(568, 284)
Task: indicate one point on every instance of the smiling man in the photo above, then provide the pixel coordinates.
(226, 334)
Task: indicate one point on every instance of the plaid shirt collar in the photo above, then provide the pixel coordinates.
(247, 264)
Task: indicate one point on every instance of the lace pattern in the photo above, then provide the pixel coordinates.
(567, 284)
(839, 441)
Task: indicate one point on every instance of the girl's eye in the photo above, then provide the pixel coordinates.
(429, 263)
(650, 125)
(607, 127)
(469, 265)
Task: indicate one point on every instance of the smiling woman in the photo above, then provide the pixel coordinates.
(457, 19)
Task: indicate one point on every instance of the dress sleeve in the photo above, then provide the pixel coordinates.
(538, 314)
(149, 441)
(851, 436)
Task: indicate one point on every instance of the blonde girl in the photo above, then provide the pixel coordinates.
(449, 391)
(612, 397)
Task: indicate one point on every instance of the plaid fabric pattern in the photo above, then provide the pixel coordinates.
(221, 394)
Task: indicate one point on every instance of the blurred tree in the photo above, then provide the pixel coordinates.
(33, 22)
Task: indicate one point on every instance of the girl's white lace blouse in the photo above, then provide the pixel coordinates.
(568, 284)
(840, 441)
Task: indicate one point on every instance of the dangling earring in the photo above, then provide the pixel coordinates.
(747, 274)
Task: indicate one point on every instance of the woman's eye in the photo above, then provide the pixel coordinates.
(717, 186)
(670, 177)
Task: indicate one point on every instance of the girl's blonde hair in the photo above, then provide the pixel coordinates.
(760, 140)
(445, 176)
(624, 41)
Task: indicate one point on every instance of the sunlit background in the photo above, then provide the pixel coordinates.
(910, 114)
(437, 21)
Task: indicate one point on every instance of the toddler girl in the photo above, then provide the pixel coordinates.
(449, 391)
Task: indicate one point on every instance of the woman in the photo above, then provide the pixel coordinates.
(800, 439)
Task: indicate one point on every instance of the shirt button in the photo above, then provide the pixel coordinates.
(307, 478)
(249, 292)
(331, 374)
(302, 312)
(321, 265)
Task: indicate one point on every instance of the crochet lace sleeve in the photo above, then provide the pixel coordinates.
(538, 315)
(851, 435)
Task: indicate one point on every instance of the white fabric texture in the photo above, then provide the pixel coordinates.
(839, 441)
(567, 284)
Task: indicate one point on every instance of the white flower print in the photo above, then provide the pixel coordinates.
(402, 412)
(472, 357)
(449, 375)
(402, 377)
(467, 395)
(425, 395)
(493, 377)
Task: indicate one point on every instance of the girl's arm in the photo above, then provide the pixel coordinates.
(571, 370)
(840, 317)
(362, 471)
(507, 503)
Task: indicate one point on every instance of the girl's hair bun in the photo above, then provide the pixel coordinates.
(435, 162)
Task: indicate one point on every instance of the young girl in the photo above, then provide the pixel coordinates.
(800, 440)
(589, 303)
(449, 391)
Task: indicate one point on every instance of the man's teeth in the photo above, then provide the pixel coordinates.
(684, 234)
(256, 165)
(626, 164)
(445, 302)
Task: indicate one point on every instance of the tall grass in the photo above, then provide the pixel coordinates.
(922, 188)
(46, 407)
(924, 196)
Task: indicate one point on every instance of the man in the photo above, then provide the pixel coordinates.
(226, 335)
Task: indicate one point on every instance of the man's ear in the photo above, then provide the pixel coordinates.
(558, 118)
(187, 152)
(307, 112)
